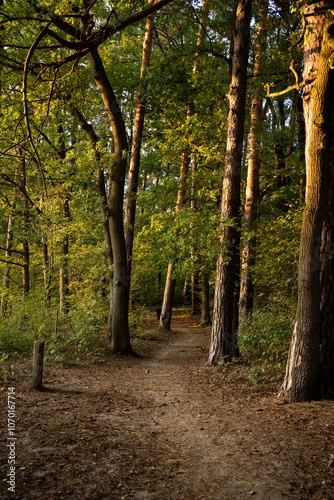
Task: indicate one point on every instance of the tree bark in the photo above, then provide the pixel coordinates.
(26, 224)
(205, 309)
(6, 274)
(301, 382)
(167, 304)
(64, 251)
(63, 265)
(47, 271)
(120, 337)
(223, 336)
(246, 300)
(327, 295)
(130, 208)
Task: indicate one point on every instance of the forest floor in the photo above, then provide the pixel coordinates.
(163, 426)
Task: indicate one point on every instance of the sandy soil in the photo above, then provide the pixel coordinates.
(164, 426)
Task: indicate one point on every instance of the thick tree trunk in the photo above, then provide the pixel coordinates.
(223, 337)
(327, 287)
(327, 295)
(120, 337)
(301, 380)
(253, 174)
(130, 208)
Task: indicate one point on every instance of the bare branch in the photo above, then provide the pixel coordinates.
(11, 262)
(296, 86)
(11, 250)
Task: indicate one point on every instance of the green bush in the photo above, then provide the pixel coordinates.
(27, 320)
(266, 334)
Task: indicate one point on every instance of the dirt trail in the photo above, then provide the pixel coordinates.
(162, 426)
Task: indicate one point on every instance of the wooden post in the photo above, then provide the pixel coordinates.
(37, 369)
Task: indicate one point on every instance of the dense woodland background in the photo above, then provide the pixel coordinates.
(61, 157)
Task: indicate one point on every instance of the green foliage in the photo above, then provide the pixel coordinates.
(146, 335)
(79, 337)
(28, 320)
(276, 270)
(266, 334)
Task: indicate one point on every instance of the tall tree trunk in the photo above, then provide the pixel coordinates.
(205, 309)
(63, 265)
(64, 251)
(47, 272)
(327, 287)
(195, 300)
(143, 188)
(26, 224)
(223, 336)
(120, 337)
(170, 283)
(6, 274)
(327, 295)
(130, 208)
(301, 380)
(253, 174)
(167, 304)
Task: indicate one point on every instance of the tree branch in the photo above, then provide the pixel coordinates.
(11, 250)
(39, 37)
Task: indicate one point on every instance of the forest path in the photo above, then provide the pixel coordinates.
(164, 426)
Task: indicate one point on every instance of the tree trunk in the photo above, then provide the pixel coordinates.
(120, 337)
(301, 382)
(26, 224)
(168, 293)
(167, 304)
(6, 274)
(63, 266)
(327, 295)
(253, 174)
(130, 209)
(64, 251)
(205, 310)
(223, 337)
(195, 304)
(47, 273)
